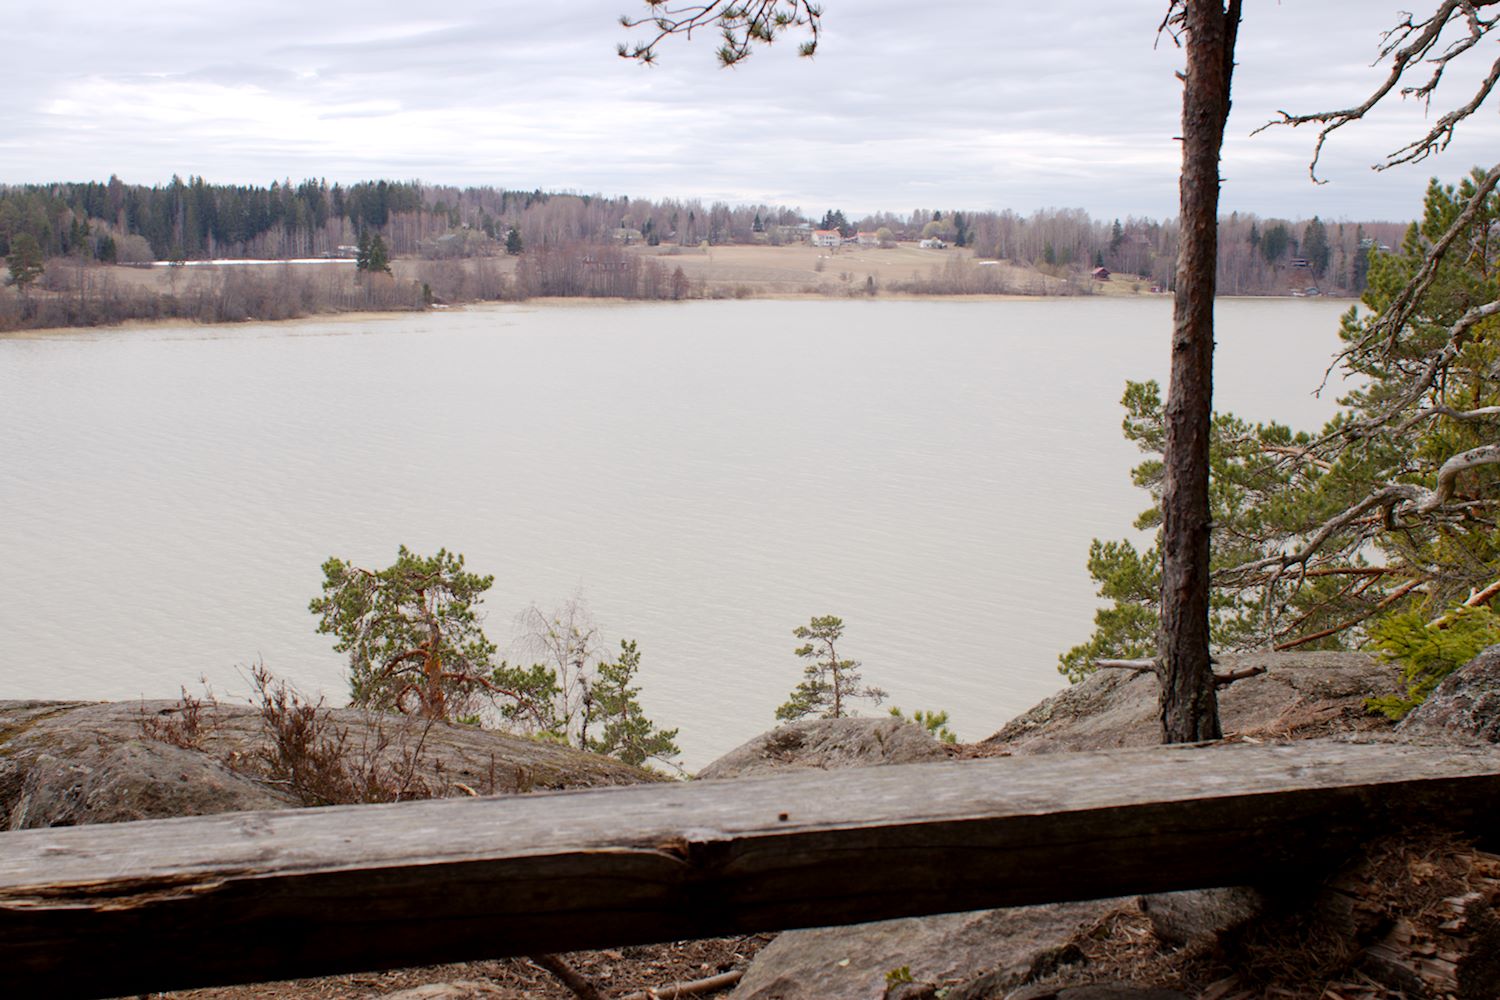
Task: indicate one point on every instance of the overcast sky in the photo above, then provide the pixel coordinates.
(935, 104)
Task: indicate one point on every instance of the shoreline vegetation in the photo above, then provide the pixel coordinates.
(101, 254)
(73, 294)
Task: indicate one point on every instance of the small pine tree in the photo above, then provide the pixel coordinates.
(935, 722)
(513, 242)
(828, 683)
(627, 735)
(1429, 652)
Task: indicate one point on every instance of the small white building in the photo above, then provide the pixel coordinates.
(933, 244)
(826, 238)
(867, 239)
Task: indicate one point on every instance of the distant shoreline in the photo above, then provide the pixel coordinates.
(74, 296)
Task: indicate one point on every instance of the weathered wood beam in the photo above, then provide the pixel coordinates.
(243, 897)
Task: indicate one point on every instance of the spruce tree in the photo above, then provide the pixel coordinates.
(26, 263)
(1315, 246)
(372, 254)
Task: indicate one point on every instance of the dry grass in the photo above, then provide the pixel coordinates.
(185, 725)
(313, 757)
(305, 752)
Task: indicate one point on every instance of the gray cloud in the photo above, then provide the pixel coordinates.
(948, 103)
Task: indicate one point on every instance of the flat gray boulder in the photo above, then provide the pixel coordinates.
(829, 744)
(1004, 947)
(1300, 694)
(1202, 915)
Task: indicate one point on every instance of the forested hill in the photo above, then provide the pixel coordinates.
(185, 220)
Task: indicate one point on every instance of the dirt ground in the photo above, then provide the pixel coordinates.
(618, 973)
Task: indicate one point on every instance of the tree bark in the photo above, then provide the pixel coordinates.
(1189, 708)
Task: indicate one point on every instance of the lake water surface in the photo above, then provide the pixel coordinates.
(708, 476)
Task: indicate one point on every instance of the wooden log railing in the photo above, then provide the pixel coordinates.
(244, 897)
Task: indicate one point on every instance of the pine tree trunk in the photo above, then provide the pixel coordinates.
(433, 704)
(1189, 707)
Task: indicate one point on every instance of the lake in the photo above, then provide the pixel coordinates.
(707, 476)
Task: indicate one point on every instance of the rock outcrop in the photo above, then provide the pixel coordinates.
(1004, 947)
(829, 744)
(1300, 695)
(1465, 706)
(69, 763)
(992, 954)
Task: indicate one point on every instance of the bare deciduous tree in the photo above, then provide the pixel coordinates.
(1414, 48)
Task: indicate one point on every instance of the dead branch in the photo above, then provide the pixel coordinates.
(1224, 680)
(1482, 597)
(1409, 44)
(1399, 312)
(1488, 454)
(1339, 571)
(1387, 601)
(1357, 586)
(1441, 410)
(741, 25)
(1438, 137)
(1304, 454)
(1137, 665)
(692, 988)
(1477, 599)
(1383, 499)
(581, 986)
